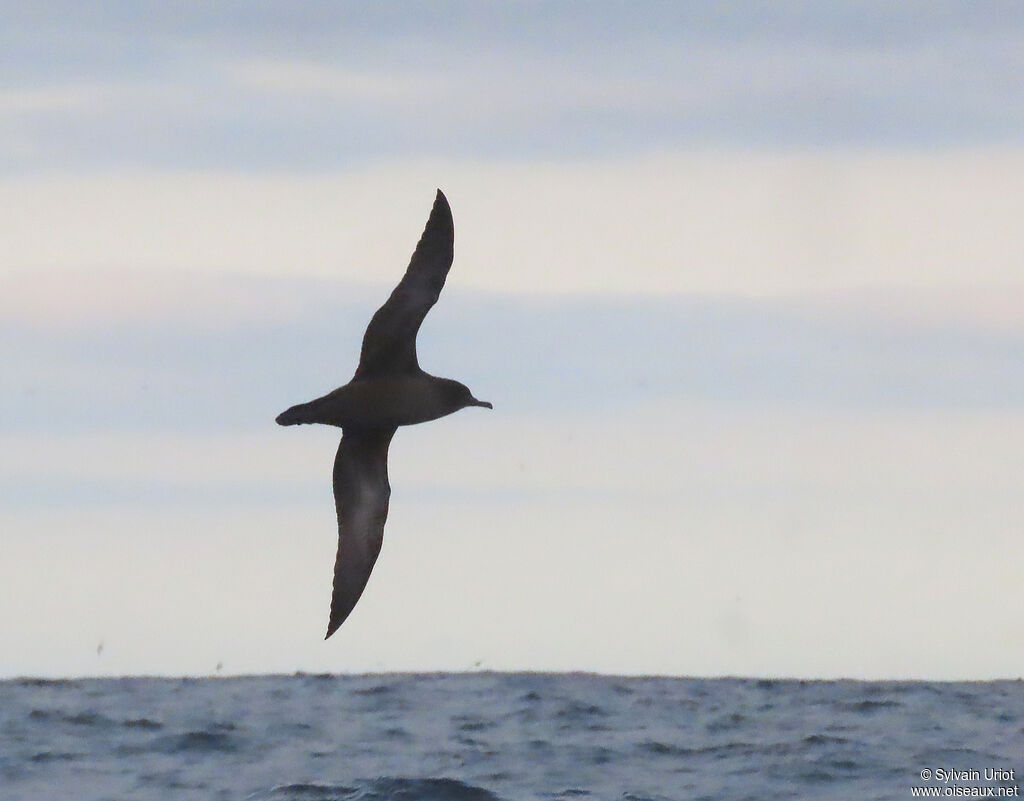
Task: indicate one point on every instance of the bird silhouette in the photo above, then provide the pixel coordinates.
(388, 390)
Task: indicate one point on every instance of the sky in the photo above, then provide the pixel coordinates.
(743, 282)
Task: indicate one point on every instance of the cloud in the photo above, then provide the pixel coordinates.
(191, 369)
(750, 224)
(274, 86)
(65, 99)
(330, 84)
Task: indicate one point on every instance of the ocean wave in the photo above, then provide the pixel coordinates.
(87, 718)
(381, 789)
(54, 756)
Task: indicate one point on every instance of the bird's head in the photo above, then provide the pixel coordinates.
(460, 397)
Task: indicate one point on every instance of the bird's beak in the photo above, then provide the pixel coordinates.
(475, 402)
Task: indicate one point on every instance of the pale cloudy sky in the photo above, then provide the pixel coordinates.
(742, 280)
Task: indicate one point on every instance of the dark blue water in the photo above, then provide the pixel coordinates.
(481, 736)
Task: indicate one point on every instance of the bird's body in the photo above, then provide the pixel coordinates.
(388, 390)
(383, 402)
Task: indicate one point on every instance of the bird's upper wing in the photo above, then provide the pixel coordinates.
(361, 492)
(389, 344)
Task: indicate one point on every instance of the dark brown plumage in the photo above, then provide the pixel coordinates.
(388, 390)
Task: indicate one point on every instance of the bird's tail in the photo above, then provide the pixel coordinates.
(302, 413)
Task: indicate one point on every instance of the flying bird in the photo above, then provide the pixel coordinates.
(388, 390)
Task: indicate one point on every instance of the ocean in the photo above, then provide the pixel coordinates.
(484, 736)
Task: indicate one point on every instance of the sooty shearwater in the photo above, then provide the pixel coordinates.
(388, 390)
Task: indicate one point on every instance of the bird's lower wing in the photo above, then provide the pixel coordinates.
(361, 493)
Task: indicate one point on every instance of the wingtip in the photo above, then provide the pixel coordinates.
(334, 623)
(439, 233)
